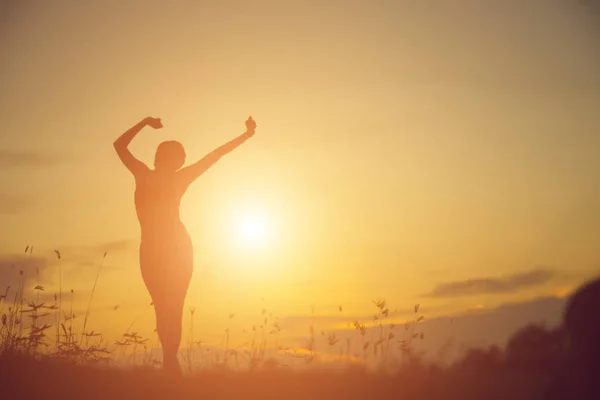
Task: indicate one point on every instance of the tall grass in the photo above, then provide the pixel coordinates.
(87, 312)
(58, 314)
(379, 339)
(16, 336)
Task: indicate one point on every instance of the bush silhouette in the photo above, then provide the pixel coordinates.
(535, 347)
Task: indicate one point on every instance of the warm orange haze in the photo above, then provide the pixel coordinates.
(439, 154)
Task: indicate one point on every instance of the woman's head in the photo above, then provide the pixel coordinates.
(170, 156)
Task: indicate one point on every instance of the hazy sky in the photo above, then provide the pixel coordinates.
(403, 147)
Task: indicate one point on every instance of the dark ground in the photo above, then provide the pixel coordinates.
(25, 378)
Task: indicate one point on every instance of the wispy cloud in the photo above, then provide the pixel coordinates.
(111, 247)
(506, 284)
(22, 158)
(89, 255)
(481, 328)
(343, 320)
(78, 262)
(14, 204)
(117, 246)
(13, 267)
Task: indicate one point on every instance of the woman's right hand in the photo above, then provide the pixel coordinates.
(250, 125)
(153, 122)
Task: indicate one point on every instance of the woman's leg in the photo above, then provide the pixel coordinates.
(169, 318)
(167, 271)
(168, 295)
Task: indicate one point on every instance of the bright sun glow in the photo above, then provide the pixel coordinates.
(252, 230)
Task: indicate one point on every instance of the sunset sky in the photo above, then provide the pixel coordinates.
(402, 148)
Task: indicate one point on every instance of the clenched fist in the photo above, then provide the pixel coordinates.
(250, 125)
(155, 123)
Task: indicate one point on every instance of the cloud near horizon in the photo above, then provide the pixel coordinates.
(486, 327)
(14, 204)
(20, 158)
(92, 252)
(492, 285)
(77, 261)
(12, 265)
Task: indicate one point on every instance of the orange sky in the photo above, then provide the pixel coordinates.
(402, 147)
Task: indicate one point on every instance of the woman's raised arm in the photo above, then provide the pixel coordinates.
(121, 145)
(192, 172)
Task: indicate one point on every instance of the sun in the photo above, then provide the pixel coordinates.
(252, 230)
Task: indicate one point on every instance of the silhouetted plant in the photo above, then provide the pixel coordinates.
(535, 346)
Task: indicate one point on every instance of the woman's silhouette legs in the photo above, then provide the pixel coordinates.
(167, 274)
(168, 323)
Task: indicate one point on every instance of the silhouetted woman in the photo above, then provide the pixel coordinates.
(166, 253)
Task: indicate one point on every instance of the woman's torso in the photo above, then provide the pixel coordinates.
(157, 201)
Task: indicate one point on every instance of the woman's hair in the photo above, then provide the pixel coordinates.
(170, 155)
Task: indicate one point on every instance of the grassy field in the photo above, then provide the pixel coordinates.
(45, 352)
(27, 378)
